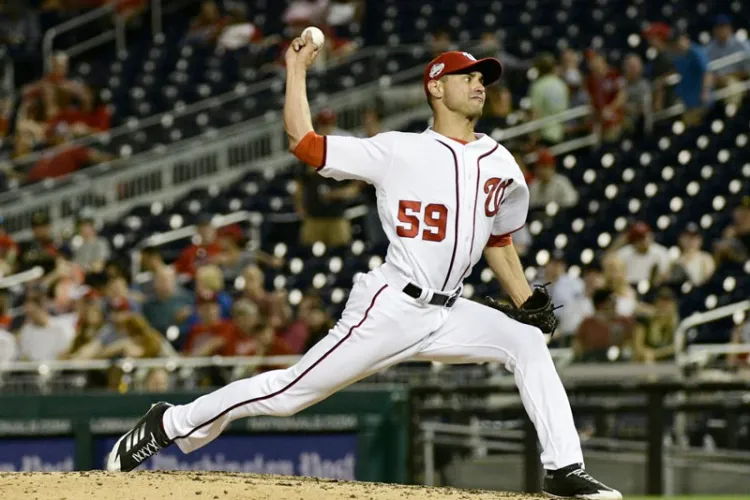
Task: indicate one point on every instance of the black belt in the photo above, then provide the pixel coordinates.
(438, 299)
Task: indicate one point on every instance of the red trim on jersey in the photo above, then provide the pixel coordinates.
(459, 140)
(312, 150)
(476, 197)
(296, 380)
(458, 205)
(499, 241)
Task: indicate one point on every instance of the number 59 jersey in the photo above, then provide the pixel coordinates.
(441, 202)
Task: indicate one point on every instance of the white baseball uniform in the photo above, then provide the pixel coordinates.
(440, 202)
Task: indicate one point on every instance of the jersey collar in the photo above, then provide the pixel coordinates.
(481, 138)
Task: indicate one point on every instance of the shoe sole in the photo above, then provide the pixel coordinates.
(113, 461)
(602, 495)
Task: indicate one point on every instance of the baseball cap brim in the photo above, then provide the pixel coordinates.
(490, 68)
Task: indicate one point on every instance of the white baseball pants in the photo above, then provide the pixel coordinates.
(380, 327)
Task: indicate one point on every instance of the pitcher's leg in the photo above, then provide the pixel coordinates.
(474, 333)
(378, 329)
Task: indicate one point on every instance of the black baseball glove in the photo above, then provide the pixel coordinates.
(538, 310)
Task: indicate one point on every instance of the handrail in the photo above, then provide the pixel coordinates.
(528, 127)
(700, 318)
(52, 33)
(130, 364)
(20, 278)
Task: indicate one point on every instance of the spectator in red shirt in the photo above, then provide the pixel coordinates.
(8, 250)
(606, 89)
(200, 253)
(5, 318)
(207, 25)
(312, 324)
(253, 335)
(605, 336)
(59, 163)
(211, 335)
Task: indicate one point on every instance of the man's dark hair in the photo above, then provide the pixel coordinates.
(545, 63)
(601, 296)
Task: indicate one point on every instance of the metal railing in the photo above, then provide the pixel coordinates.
(686, 355)
(155, 175)
(367, 56)
(117, 33)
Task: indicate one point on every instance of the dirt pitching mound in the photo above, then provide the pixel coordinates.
(215, 486)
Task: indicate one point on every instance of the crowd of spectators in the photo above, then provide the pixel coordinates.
(47, 108)
(211, 300)
(609, 314)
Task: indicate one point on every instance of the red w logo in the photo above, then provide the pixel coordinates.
(495, 189)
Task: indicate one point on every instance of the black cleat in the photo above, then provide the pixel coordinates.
(144, 440)
(574, 482)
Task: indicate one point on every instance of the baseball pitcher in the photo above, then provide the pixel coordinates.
(445, 197)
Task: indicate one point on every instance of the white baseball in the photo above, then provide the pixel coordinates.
(318, 38)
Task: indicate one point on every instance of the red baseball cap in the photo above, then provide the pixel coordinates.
(545, 158)
(658, 30)
(455, 61)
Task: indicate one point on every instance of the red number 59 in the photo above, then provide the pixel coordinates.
(435, 218)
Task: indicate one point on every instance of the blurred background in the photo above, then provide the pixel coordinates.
(157, 240)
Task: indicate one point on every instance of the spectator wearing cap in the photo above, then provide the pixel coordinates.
(211, 334)
(638, 92)
(570, 293)
(168, 306)
(320, 202)
(550, 186)
(734, 245)
(90, 250)
(41, 250)
(42, 337)
(645, 260)
(605, 335)
(8, 251)
(725, 43)
(606, 89)
(693, 264)
(654, 338)
(661, 65)
(203, 251)
(694, 87)
(549, 96)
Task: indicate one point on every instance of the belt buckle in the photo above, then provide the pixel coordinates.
(453, 298)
